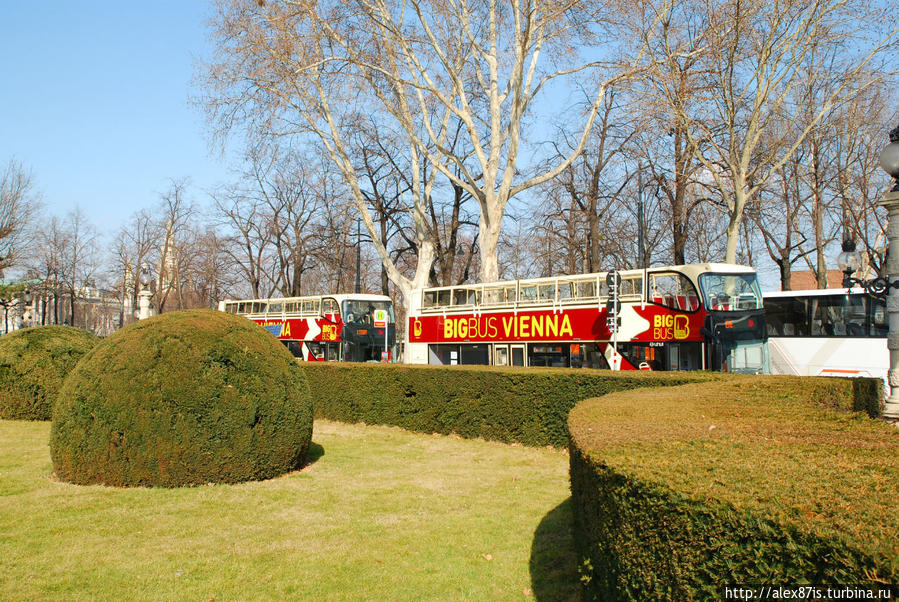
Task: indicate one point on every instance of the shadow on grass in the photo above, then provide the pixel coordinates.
(553, 562)
(314, 452)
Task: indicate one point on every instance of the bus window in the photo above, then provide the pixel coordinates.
(548, 355)
(310, 307)
(546, 292)
(786, 316)
(824, 313)
(362, 311)
(673, 290)
(465, 296)
(429, 299)
(330, 309)
(877, 317)
(567, 290)
(632, 286)
(838, 316)
(586, 290)
(295, 348)
(274, 308)
(853, 323)
(474, 354)
(528, 294)
(730, 292)
(499, 295)
(332, 352)
(443, 298)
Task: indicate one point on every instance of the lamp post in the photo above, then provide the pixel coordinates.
(145, 277)
(27, 314)
(358, 288)
(849, 261)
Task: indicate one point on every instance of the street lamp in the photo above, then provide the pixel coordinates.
(849, 261)
(26, 314)
(889, 161)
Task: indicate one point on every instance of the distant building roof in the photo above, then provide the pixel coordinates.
(807, 280)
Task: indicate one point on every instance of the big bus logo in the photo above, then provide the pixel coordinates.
(667, 326)
(681, 327)
(416, 327)
(329, 332)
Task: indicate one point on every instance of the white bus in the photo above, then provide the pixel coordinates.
(829, 332)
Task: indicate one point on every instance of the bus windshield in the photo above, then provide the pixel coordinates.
(730, 292)
(362, 312)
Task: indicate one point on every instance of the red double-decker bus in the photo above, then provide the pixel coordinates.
(687, 317)
(353, 328)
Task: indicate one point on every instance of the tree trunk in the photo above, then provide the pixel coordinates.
(489, 237)
(678, 217)
(733, 226)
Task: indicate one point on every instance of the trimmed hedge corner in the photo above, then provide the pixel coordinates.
(512, 405)
(183, 398)
(33, 365)
(679, 491)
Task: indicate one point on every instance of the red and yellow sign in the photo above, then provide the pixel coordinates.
(303, 329)
(648, 323)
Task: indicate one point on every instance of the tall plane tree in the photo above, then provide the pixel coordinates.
(305, 69)
(755, 56)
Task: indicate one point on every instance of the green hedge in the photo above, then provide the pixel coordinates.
(182, 398)
(33, 365)
(524, 405)
(679, 491)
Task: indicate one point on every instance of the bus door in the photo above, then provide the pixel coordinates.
(517, 355)
(500, 355)
(685, 356)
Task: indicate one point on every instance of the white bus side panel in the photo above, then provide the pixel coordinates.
(829, 356)
(415, 353)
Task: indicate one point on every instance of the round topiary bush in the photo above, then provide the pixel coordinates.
(34, 363)
(183, 398)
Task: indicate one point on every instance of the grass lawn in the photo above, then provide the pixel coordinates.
(380, 514)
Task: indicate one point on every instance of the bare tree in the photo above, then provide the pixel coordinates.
(175, 215)
(18, 204)
(46, 265)
(278, 71)
(289, 192)
(755, 57)
(861, 133)
(204, 269)
(583, 197)
(828, 188)
(247, 239)
(449, 219)
(134, 244)
(672, 87)
(778, 218)
(79, 260)
(294, 69)
(481, 64)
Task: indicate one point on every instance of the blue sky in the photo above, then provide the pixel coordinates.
(95, 101)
